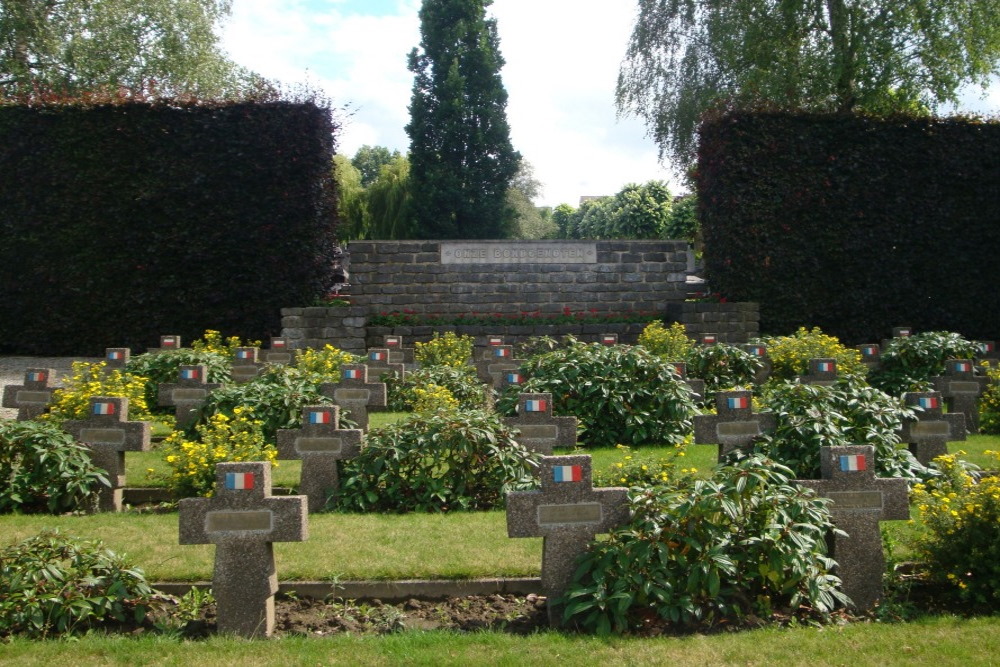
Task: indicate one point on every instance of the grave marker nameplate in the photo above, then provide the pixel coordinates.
(860, 501)
(962, 387)
(567, 513)
(108, 434)
(735, 424)
(540, 429)
(187, 394)
(244, 520)
(320, 443)
(245, 364)
(33, 396)
(355, 393)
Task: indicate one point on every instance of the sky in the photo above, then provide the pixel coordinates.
(562, 61)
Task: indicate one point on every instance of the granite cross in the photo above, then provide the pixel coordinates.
(871, 355)
(860, 502)
(822, 372)
(320, 443)
(31, 398)
(397, 353)
(355, 393)
(566, 513)
(379, 363)
(963, 387)
(243, 520)
(897, 332)
(279, 352)
(168, 343)
(735, 424)
(708, 339)
(608, 339)
(759, 350)
(187, 394)
(540, 429)
(115, 358)
(512, 377)
(109, 434)
(245, 364)
(498, 363)
(929, 434)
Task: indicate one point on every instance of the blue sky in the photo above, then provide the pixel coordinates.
(562, 61)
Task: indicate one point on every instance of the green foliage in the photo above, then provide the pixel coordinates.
(440, 462)
(683, 223)
(352, 205)
(722, 366)
(369, 161)
(444, 350)
(461, 382)
(687, 56)
(620, 394)
(786, 202)
(700, 553)
(989, 403)
(673, 344)
(848, 413)
(909, 363)
(640, 212)
(44, 470)
(323, 365)
(790, 355)
(959, 543)
(641, 470)
(163, 367)
(388, 202)
(72, 400)
(53, 585)
(462, 159)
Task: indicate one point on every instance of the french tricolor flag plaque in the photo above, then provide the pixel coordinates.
(502, 352)
(567, 474)
(319, 417)
(869, 350)
(36, 376)
(928, 402)
(824, 367)
(115, 355)
(243, 354)
(352, 374)
(757, 350)
(239, 481)
(278, 343)
(103, 408)
(535, 406)
(168, 341)
(737, 403)
(376, 356)
(514, 378)
(189, 373)
(392, 341)
(495, 340)
(962, 366)
(853, 463)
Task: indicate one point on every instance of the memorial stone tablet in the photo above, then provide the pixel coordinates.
(928, 434)
(32, 397)
(539, 430)
(961, 387)
(734, 425)
(355, 394)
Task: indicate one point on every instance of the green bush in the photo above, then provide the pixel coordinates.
(72, 400)
(848, 413)
(163, 367)
(444, 350)
(790, 355)
(44, 470)
(909, 363)
(620, 394)
(461, 381)
(989, 403)
(52, 585)
(671, 343)
(466, 460)
(723, 367)
(699, 553)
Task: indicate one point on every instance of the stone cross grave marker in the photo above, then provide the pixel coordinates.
(540, 429)
(485, 352)
(497, 364)
(168, 343)
(279, 352)
(708, 339)
(512, 377)
(320, 443)
(32, 397)
(963, 387)
(822, 372)
(187, 394)
(696, 385)
(397, 353)
(871, 355)
(735, 424)
(355, 393)
(566, 513)
(115, 358)
(108, 434)
(928, 435)
(244, 521)
(608, 339)
(378, 363)
(898, 332)
(860, 502)
(988, 349)
(246, 364)
(759, 350)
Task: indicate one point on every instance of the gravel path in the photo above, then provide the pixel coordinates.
(12, 371)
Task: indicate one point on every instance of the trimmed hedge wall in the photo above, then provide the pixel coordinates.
(852, 224)
(123, 222)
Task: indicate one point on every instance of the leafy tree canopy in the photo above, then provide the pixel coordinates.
(369, 160)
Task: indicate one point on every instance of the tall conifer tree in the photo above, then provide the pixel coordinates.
(461, 158)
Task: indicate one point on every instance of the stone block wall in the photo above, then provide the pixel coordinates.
(733, 322)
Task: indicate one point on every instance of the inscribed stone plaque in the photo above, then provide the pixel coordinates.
(964, 387)
(102, 436)
(532, 431)
(325, 445)
(856, 500)
(575, 513)
(33, 397)
(219, 522)
(188, 395)
(926, 429)
(511, 252)
(737, 429)
(350, 395)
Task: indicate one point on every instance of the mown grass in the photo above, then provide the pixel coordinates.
(945, 640)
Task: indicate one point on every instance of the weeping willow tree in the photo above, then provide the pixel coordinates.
(388, 202)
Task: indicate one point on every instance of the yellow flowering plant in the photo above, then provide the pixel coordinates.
(790, 355)
(72, 400)
(448, 349)
(989, 402)
(213, 343)
(640, 470)
(959, 543)
(433, 398)
(670, 343)
(220, 439)
(324, 363)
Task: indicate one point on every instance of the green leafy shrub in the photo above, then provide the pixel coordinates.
(908, 363)
(324, 364)
(163, 367)
(52, 585)
(221, 439)
(637, 469)
(44, 470)
(621, 394)
(461, 381)
(989, 403)
(433, 398)
(72, 400)
(440, 462)
(722, 366)
(698, 553)
(790, 355)
(448, 349)
(672, 344)
(959, 542)
(535, 345)
(848, 413)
